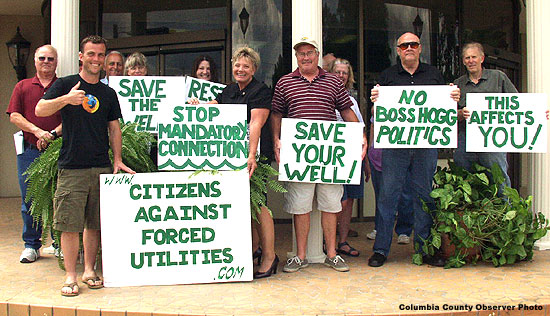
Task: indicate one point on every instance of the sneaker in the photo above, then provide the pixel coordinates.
(372, 235)
(29, 255)
(58, 253)
(337, 263)
(403, 239)
(49, 250)
(294, 264)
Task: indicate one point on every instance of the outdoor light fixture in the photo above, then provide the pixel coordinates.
(18, 52)
(418, 24)
(244, 18)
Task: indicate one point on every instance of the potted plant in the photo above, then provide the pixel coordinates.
(479, 221)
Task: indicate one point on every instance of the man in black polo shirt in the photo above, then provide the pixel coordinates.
(419, 163)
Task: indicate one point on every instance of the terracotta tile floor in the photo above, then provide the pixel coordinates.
(316, 290)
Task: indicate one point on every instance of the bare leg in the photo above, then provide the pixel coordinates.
(344, 219)
(255, 235)
(301, 226)
(267, 238)
(91, 245)
(69, 245)
(329, 222)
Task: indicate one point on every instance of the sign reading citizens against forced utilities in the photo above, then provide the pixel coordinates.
(506, 122)
(142, 98)
(203, 136)
(320, 151)
(415, 117)
(175, 228)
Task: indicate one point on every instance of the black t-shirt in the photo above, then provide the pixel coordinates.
(424, 75)
(256, 95)
(85, 131)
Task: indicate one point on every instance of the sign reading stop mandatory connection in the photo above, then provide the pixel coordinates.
(320, 151)
(415, 117)
(506, 122)
(174, 228)
(203, 136)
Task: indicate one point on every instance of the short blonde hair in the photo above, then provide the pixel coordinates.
(246, 52)
(342, 61)
(137, 59)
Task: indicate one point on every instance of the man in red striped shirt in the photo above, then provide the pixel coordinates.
(311, 93)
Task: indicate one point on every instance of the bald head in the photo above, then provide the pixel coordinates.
(45, 61)
(409, 49)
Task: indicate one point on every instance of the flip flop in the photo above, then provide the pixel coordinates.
(71, 286)
(352, 251)
(93, 286)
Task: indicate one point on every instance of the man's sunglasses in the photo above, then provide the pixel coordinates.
(413, 45)
(43, 58)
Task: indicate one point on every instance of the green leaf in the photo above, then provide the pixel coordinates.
(417, 259)
(510, 215)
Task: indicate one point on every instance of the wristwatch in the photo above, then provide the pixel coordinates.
(54, 133)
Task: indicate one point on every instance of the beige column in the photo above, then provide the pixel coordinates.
(538, 81)
(307, 21)
(65, 32)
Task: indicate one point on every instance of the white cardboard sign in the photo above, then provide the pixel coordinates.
(175, 228)
(203, 136)
(320, 151)
(415, 117)
(506, 122)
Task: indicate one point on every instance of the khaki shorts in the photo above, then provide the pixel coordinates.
(300, 197)
(76, 200)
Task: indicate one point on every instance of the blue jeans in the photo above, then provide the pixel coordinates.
(420, 165)
(31, 231)
(466, 159)
(405, 217)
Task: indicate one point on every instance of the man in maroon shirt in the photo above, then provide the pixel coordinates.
(37, 133)
(311, 93)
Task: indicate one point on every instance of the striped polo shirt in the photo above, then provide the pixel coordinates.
(296, 97)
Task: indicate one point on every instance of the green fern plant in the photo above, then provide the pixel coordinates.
(261, 180)
(42, 173)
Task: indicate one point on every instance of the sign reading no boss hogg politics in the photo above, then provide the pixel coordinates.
(143, 98)
(415, 117)
(320, 151)
(175, 228)
(506, 122)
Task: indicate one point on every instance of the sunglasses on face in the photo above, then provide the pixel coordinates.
(413, 45)
(43, 58)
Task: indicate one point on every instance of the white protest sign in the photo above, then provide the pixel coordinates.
(203, 136)
(415, 117)
(175, 228)
(201, 89)
(506, 122)
(320, 151)
(141, 98)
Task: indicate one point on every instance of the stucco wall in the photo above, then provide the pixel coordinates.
(32, 30)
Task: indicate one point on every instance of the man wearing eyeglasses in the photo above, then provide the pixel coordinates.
(37, 133)
(418, 163)
(311, 93)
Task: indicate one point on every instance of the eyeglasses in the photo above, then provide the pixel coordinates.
(413, 45)
(43, 58)
(310, 54)
(343, 73)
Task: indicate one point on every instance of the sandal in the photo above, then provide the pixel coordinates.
(93, 286)
(72, 287)
(352, 251)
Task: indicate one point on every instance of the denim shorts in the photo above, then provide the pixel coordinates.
(76, 200)
(302, 198)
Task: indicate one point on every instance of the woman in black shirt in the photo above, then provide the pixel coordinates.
(257, 96)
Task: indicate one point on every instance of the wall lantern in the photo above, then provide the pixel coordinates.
(244, 18)
(418, 24)
(18, 52)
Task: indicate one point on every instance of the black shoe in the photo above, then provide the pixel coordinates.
(257, 255)
(270, 271)
(435, 260)
(377, 260)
